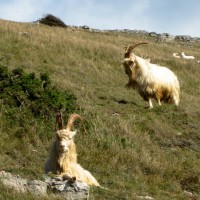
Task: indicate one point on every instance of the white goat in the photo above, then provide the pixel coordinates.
(151, 80)
(175, 55)
(63, 157)
(187, 57)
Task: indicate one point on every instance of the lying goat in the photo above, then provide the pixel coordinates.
(183, 56)
(63, 157)
(175, 55)
(150, 80)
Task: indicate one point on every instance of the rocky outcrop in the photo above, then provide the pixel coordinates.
(159, 37)
(67, 189)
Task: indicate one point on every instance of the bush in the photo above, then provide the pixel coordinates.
(29, 100)
(51, 20)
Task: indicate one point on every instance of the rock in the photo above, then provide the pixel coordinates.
(69, 189)
(153, 34)
(145, 197)
(15, 182)
(188, 194)
(184, 38)
(162, 37)
(165, 37)
(85, 27)
(37, 187)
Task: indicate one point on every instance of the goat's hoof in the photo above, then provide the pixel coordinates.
(72, 180)
(66, 177)
(148, 107)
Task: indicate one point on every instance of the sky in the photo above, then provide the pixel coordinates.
(176, 17)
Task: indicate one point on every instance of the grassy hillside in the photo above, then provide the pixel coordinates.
(131, 150)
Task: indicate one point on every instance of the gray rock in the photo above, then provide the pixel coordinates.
(37, 187)
(15, 182)
(69, 189)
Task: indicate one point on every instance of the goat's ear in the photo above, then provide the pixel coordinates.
(73, 133)
(127, 61)
(58, 133)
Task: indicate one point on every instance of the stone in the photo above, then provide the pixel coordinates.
(69, 189)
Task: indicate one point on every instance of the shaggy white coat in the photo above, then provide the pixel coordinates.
(63, 159)
(152, 81)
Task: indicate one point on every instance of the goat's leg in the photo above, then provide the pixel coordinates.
(176, 101)
(150, 103)
(159, 102)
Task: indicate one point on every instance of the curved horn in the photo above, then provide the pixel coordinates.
(129, 49)
(71, 121)
(59, 121)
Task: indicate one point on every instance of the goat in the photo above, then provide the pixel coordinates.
(175, 55)
(150, 80)
(187, 57)
(63, 157)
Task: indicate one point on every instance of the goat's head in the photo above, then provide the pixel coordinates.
(128, 66)
(65, 136)
(129, 61)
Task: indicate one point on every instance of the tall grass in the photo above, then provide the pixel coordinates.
(129, 149)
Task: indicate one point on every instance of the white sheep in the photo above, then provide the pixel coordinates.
(151, 80)
(183, 56)
(63, 157)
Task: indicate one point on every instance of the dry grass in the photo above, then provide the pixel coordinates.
(129, 149)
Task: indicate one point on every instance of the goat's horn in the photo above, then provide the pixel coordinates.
(71, 121)
(131, 47)
(59, 121)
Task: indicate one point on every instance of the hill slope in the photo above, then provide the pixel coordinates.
(129, 149)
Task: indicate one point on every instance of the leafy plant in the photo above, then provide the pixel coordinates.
(27, 97)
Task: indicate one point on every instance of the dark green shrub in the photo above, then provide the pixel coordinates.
(51, 20)
(30, 101)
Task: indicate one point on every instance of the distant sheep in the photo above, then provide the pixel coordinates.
(183, 56)
(150, 80)
(63, 157)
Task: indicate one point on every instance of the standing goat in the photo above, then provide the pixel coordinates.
(63, 157)
(151, 80)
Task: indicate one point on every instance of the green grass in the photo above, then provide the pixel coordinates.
(129, 149)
